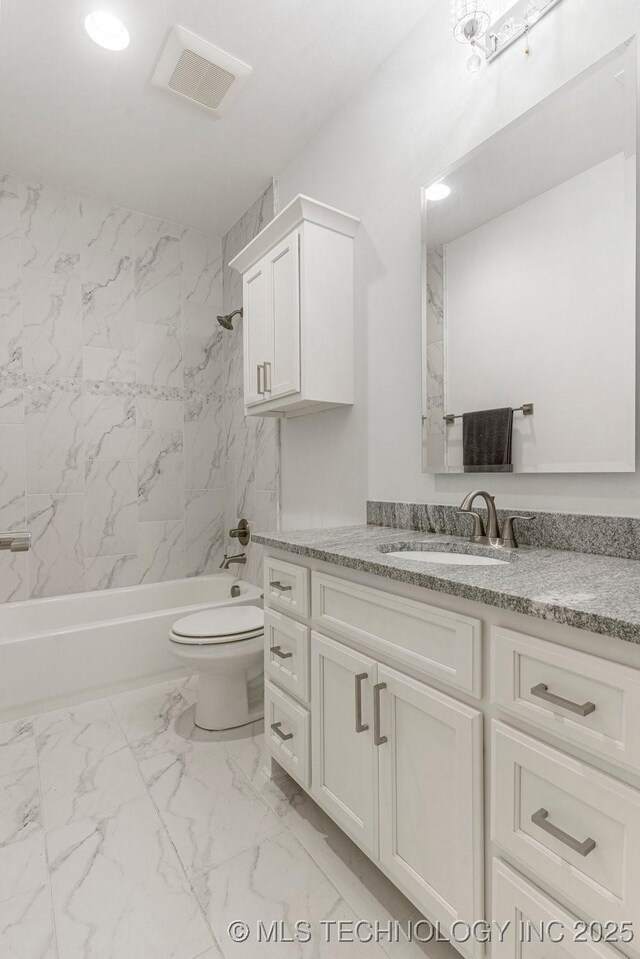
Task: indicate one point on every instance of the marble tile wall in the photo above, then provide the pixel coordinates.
(433, 428)
(114, 395)
(252, 476)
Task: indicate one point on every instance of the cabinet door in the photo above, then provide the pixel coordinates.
(283, 363)
(430, 769)
(344, 773)
(257, 331)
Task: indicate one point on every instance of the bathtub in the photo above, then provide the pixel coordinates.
(66, 649)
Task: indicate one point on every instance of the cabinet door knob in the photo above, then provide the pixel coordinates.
(377, 738)
(542, 692)
(541, 819)
(360, 726)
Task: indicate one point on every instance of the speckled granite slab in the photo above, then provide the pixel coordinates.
(577, 532)
(597, 593)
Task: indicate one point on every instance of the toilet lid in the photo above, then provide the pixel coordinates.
(223, 624)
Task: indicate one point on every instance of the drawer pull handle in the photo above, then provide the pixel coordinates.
(360, 726)
(542, 692)
(278, 732)
(277, 651)
(377, 738)
(276, 584)
(541, 819)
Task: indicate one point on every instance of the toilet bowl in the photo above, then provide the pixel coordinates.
(225, 647)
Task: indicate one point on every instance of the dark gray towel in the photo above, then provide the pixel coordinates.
(486, 441)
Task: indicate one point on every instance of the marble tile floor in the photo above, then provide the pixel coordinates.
(127, 833)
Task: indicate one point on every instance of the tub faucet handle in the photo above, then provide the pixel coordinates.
(242, 532)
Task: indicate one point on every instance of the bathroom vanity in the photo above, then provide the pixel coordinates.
(474, 729)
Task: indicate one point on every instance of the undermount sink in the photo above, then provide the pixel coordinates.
(445, 557)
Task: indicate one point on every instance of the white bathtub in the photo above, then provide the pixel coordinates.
(66, 649)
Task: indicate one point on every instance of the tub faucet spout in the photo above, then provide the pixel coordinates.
(241, 559)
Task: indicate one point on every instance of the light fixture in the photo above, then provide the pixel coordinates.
(438, 191)
(532, 13)
(474, 62)
(472, 24)
(107, 31)
(469, 21)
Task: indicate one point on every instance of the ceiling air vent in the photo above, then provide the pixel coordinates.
(198, 71)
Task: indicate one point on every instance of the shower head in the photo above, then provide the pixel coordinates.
(226, 321)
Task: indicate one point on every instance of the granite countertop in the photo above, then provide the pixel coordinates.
(597, 593)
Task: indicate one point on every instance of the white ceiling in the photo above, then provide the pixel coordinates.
(88, 120)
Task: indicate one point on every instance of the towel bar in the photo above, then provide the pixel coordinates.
(526, 409)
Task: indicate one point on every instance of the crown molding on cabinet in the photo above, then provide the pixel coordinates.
(302, 209)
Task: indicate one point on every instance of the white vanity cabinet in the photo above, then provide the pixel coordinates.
(298, 311)
(379, 731)
(456, 742)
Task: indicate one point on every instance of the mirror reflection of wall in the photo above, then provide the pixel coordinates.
(530, 275)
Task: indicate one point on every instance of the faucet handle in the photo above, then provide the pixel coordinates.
(478, 525)
(508, 533)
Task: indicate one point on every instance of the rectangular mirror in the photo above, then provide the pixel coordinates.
(529, 276)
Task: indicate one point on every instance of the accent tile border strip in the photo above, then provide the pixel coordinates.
(576, 532)
(76, 385)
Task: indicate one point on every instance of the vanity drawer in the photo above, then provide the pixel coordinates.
(581, 698)
(523, 910)
(426, 639)
(288, 733)
(286, 587)
(286, 653)
(576, 828)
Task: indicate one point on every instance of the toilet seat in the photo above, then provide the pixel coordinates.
(224, 624)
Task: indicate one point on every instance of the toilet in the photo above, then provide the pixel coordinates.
(224, 646)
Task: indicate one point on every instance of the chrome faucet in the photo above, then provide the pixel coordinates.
(492, 536)
(241, 559)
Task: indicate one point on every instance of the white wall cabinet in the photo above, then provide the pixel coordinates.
(298, 311)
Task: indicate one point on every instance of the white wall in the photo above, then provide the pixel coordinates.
(530, 297)
(418, 113)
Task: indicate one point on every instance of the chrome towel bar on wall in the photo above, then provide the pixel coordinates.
(526, 409)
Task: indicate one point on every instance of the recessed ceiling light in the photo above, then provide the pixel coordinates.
(439, 191)
(107, 31)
